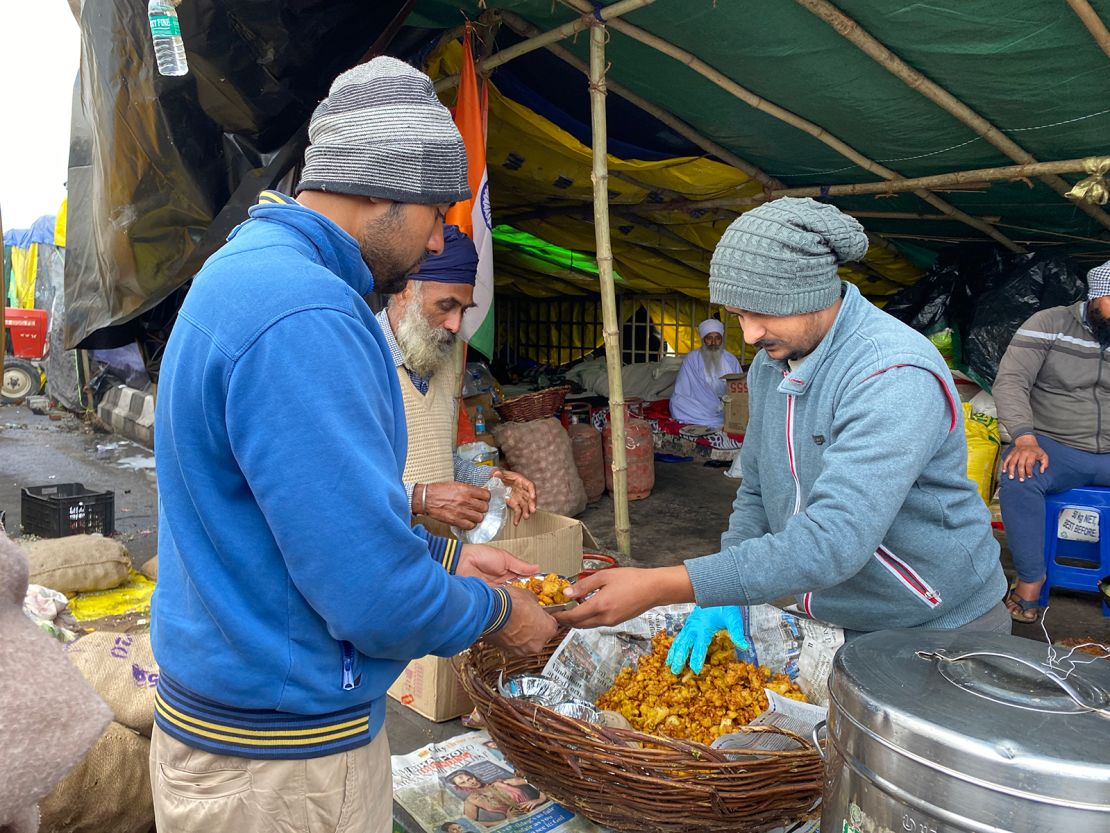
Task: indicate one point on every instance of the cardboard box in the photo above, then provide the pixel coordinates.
(736, 413)
(736, 383)
(429, 685)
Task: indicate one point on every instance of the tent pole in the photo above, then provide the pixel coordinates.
(849, 29)
(522, 27)
(793, 119)
(1093, 23)
(540, 41)
(897, 186)
(611, 332)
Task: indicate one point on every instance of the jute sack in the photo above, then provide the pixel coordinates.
(121, 667)
(541, 451)
(150, 569)
(78, 563)
(108, 792)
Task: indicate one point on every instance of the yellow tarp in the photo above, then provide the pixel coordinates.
(540, 182)
(25, 266)
(60, 224)
(130, 597)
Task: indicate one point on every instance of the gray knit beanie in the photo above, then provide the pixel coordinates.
(780, 258)
(381, 132)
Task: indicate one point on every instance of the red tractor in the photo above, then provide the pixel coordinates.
(25, 347)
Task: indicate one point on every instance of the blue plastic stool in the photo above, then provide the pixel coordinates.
(1096, 555)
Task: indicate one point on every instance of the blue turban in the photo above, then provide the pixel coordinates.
(457, 263)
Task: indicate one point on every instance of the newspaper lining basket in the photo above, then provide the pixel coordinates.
(530, 406)
(671, 786)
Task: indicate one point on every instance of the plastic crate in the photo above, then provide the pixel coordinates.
(62, 509)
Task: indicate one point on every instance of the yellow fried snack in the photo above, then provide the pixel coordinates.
(700, 707)
(548, 590)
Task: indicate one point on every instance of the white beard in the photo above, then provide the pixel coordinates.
(711, 360)
(425, 349)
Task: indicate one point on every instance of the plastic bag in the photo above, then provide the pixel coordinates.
(491, 524)
(983, 444)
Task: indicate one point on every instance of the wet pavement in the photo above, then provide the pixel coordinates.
(684, 517)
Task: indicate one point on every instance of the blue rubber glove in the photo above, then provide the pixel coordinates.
(701, 626)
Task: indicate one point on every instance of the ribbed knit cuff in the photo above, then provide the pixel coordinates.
(502, 609)
(445, 551)
(715, 582)
(726, 292)
(1022, 431)
(408, 493)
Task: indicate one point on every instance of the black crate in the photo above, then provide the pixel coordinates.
(67, 509)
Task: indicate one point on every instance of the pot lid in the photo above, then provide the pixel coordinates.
(1010, 712)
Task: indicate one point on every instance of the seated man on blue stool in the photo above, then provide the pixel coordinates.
(1053, 396)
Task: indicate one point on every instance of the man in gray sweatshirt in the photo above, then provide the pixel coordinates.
(1053, 395)
(855, 498)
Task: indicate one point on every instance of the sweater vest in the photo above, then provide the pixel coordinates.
(431, 427)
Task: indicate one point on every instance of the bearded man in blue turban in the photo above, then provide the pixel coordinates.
(421, 325)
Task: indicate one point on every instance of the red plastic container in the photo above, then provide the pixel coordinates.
(27, 330)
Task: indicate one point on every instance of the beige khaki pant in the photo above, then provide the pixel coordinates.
(197, 792)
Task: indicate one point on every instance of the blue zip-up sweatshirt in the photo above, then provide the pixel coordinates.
(292, 590)
(855, 495)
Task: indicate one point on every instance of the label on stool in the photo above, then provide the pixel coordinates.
(1077, 524)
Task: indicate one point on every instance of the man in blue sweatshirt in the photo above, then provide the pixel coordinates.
(855, 498)
(292, 590)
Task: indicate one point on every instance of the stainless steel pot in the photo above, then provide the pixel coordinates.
(945, 731)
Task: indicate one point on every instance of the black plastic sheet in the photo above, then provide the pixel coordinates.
(984, 295)
(162, 168)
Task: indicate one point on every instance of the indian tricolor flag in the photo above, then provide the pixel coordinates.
(473, 216)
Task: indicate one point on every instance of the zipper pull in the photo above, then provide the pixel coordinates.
(348, 667)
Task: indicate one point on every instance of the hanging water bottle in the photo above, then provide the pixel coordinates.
(169, 49)
(479, 421)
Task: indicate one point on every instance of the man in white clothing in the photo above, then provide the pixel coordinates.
(699, 387)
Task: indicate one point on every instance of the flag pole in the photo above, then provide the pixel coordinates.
(600, 178)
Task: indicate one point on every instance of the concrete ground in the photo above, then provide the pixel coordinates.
(683, 517)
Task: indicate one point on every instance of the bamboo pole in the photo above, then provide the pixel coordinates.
(1093, 23)
(849, 29)
(522, 27)
(587, 18)
(611, 324)
(898, 186)
(793, 119)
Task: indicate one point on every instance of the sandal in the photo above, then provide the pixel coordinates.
(1024, 607)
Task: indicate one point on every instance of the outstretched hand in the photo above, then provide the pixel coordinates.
(492, 565)
(623, 593)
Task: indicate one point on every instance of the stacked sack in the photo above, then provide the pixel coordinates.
(541, 451)
(109, 791)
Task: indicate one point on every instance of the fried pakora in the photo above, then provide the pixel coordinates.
(548, 589)
(726, 695)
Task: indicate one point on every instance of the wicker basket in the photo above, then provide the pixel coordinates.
(530, 406)
(671, 787)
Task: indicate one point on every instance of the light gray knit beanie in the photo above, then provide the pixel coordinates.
(781, 258)
(381, 132)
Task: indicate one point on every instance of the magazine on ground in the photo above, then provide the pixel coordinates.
(465, 785)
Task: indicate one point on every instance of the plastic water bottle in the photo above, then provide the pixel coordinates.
(479, 421)
(165, 29)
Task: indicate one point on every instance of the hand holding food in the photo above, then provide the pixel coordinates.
(529, 627)
(492, 565)
(701, 626)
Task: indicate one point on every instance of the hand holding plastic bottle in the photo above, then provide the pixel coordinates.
(692, 642)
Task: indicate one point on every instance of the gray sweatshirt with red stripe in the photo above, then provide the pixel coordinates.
(855, 495)
(1055, 380)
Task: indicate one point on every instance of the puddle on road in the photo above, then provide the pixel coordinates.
(123, 453)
